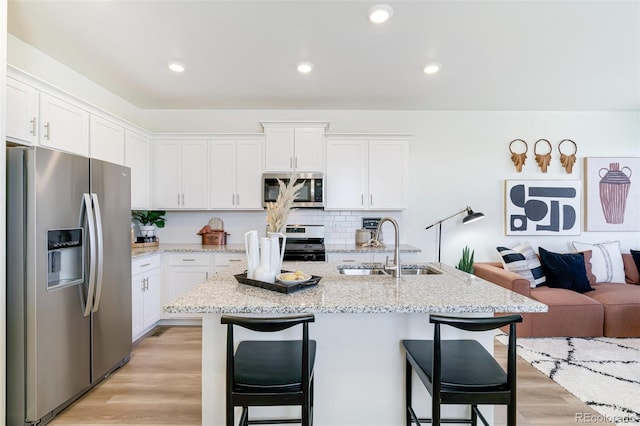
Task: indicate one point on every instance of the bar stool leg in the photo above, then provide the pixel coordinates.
(407, 391)
(474, 415)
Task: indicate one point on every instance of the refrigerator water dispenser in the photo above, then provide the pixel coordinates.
(65, 258)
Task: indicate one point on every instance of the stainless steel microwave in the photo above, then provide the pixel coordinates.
(311, 195)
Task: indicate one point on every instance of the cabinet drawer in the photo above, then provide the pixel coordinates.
(145, 264)
(190, 259)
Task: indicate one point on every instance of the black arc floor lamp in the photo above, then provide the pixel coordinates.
(470, 217)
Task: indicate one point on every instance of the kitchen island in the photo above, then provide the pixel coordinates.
(360, 321)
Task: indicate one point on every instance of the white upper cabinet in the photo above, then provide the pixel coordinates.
(235, 173)
(180, 174)
(22, 112)
(63, 126)
(107, 140)
(137, 156)
(290, 146)
(346, 178)
(367, 173)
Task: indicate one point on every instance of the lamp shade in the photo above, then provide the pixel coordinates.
(472, 216)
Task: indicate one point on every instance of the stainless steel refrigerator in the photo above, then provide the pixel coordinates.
(68, 278)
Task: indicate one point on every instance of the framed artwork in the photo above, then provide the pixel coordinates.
(542, 207)
(612, 186)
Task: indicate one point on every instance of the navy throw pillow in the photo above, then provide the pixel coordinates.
(565, 270)
(636, 258)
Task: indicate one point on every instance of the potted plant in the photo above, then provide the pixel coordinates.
(466, 261)
(149, 221)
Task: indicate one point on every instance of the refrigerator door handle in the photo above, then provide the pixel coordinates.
(87, 209)
(100, 240)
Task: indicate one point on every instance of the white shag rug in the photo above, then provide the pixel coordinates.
(603, 372)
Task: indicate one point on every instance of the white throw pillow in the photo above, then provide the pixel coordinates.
(606, 261)
(523, 261)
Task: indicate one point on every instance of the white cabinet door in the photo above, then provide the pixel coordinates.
(138, 283)
(106, 140)
(346, 177)
(153, 299)
(222, 183)
(182, 272)
(348, 258)
(195, 175)
(180, 174)
(63, 126)
(279, 145)
(224, 261)
(21, 117)
(308, 149)
(235, 174)
(249, 174)
(137, 157)
(388, 174)
(167, 174)
(146, 295)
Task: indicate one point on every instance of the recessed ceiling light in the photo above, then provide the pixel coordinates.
(432, 68)
(176, 66)
(380, 13)
(305, 67)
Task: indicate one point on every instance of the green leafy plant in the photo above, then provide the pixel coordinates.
(466, 261)
(150, 217)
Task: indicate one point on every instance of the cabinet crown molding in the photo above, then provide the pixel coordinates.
(321, 124)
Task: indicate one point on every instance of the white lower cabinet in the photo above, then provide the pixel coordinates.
(182, 272)
(347, 258)
(146, 295)
(225, 261)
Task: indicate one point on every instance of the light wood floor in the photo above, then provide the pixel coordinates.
(161, 385)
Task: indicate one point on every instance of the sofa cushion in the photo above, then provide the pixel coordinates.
(606, 260)
(569, 314)
(588, 266)
(565, 271)
(523, 260)
(621, 303)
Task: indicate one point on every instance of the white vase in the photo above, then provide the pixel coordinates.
(264, 272)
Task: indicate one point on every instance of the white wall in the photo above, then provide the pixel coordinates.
(27, 58)
(458, 158)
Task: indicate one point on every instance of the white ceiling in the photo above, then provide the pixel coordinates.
(495, 55)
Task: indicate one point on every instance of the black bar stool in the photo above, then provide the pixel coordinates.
(462, 371)
(270, 373)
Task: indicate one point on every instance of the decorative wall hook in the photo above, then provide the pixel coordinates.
(543, 160)
(518, 158)
(567, 161)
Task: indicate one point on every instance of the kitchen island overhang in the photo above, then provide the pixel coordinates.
(360, 321)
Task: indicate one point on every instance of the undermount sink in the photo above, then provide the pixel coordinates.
(405, 270)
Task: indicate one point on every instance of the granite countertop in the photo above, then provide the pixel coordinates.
(451, 292)
(239, 248)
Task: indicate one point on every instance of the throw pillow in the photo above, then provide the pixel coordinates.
(565, 271)
(523, 261)
(606, 259)
(636, 259)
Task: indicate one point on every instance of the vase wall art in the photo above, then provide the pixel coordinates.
(612, 187)
(542, 207)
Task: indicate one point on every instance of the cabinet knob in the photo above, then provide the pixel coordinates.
(33, 126)
(47, 134)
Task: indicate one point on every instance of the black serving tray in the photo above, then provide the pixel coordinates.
(278, 285)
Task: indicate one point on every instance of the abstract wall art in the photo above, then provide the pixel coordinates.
(612, 186)
(542, 207)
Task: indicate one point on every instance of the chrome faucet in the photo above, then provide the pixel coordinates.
(396, 250)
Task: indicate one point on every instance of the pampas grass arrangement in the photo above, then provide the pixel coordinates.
(278, 211)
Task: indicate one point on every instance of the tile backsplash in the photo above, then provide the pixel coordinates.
(340, 226)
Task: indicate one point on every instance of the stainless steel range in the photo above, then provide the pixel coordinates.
(305, 242)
